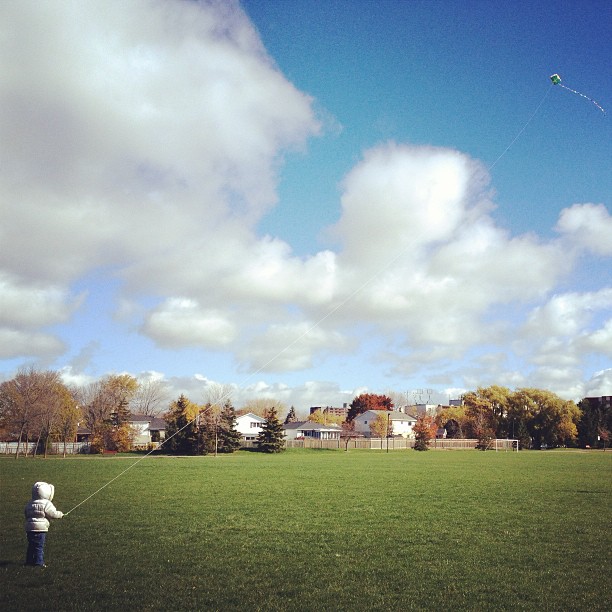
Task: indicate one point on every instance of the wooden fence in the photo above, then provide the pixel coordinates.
(390, 443)
(73, 448)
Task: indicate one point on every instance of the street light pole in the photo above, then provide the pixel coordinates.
(388, 419)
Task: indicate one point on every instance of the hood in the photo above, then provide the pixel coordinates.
(43, 490)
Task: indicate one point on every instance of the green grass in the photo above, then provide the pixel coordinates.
(315, 530)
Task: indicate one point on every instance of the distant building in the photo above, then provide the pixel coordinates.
(604, 402)
(429, 409)
(332, 410)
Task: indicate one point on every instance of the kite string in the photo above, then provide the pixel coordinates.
(253, 374)
(139, 460)
(308, 330)
(105, 485)
(522, 129)
(298, 338)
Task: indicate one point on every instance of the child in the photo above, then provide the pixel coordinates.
(37, 513)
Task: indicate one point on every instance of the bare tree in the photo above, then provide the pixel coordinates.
(91, 399)
(22, 401)
(262, 406)
(151, 398)
(50, 405)
(105, 407)
(217, 394)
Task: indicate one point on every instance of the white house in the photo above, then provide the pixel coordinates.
(401, 423)
(147, 429)
(249, 425)
(308, 429)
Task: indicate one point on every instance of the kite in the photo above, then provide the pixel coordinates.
(556, 80)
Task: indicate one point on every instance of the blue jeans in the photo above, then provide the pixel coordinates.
(36, 546)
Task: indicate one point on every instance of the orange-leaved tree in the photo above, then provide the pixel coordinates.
(368, 401)
(424, 431)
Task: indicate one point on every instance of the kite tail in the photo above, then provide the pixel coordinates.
(581, 94)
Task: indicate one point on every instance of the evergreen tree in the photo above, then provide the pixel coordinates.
(181, 431)
(595, 420)
(522, 435)
(291, 416)
(121, 414)
(270, 440)
(207, 428)
(228, 436)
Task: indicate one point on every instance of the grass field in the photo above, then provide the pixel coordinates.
(314, 530)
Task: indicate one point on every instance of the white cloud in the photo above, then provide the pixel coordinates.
(143, 140)
(16, 343)
(406, 198)
(565, 381)
(597, 341)
(75, 378)
(183, 322)
(588, 226)
(139, 136)
(32, 305)
(567, 314)
(562, 331)
(599, 384)
(290, 346)
(423, 257)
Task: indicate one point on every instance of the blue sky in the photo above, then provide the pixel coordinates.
(308, 200)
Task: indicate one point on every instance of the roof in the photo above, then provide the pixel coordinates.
(394, 415)
(252, 416)
(140, 418)
(311, 426)
(293, 425)
(157, 423)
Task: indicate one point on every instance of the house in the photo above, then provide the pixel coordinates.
(83, 434)
(401, 423)
(308, 429)
(249, 425)
(147, 429)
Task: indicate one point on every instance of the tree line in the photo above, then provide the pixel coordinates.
(36, 406)
(537, 418)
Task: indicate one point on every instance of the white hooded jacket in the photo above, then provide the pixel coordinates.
(40, 508)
